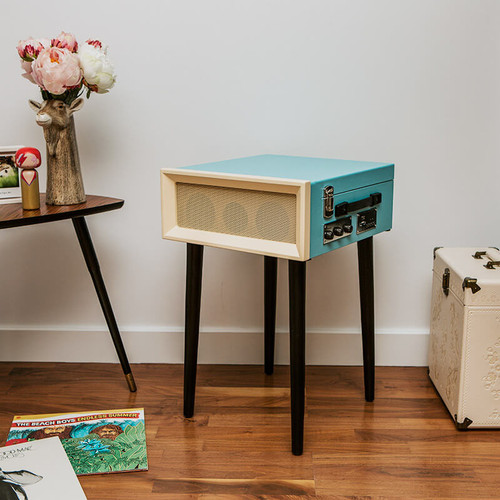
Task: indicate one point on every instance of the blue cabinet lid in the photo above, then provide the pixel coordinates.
(344, 174)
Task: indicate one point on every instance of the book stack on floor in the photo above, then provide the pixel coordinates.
(45, 453)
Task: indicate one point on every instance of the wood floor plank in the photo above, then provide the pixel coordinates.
(234, 486)
(403, 445)
(237, 465)
(421, 476)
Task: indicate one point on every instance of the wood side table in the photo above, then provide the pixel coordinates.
(13, 215)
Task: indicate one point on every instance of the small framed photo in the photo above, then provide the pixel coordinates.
(10, 186)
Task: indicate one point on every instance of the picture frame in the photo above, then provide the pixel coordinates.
(10, 185)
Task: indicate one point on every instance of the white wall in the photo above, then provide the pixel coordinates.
(414, 82)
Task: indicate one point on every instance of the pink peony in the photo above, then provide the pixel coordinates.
(27, 67)
(28, 51)
(30, 48)
(56, 70)
(96, 43)
(65, 41)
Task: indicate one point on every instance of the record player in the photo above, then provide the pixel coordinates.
(283, 206)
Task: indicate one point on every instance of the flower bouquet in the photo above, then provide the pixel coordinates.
(64, 70)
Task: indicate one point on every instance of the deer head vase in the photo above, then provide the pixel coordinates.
(64, 177)
(63, 70)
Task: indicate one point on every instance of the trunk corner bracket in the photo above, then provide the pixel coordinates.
(434, 251)
(462, 426)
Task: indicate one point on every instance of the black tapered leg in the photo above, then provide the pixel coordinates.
(194, 268)
(270, 282)
(82, 232)
(366, 290)
(297, 297)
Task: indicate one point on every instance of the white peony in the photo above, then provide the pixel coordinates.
(98, 73)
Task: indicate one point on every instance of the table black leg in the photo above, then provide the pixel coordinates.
(194, 268)
(366, 289)
(82, 232)
(297, 297)
(270, 283)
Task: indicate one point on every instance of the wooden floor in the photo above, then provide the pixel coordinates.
(404, 445)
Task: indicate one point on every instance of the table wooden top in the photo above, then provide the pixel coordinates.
(13, 215)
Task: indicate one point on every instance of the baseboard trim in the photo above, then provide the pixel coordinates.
(216, 346)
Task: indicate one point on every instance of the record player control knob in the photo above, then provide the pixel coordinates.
(348, 228)
(338, 231)
(328, 235)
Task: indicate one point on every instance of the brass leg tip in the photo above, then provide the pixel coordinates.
(131, 382)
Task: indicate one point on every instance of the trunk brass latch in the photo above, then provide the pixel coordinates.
(472, 284)
(446, 281)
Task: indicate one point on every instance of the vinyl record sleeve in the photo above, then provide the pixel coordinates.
(39, 470)
(96, 442)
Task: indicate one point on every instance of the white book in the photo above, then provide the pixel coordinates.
(38, 470)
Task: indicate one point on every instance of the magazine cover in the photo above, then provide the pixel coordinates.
(37, 470)
(95, 442)
(10, 187)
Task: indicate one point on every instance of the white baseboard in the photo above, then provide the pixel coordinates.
(218, 347)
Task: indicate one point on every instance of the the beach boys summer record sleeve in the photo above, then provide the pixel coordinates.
(96, 442)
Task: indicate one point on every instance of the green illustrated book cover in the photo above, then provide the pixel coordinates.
(97, 442)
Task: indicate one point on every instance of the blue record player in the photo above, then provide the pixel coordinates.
(278, 206)
(285, 206)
